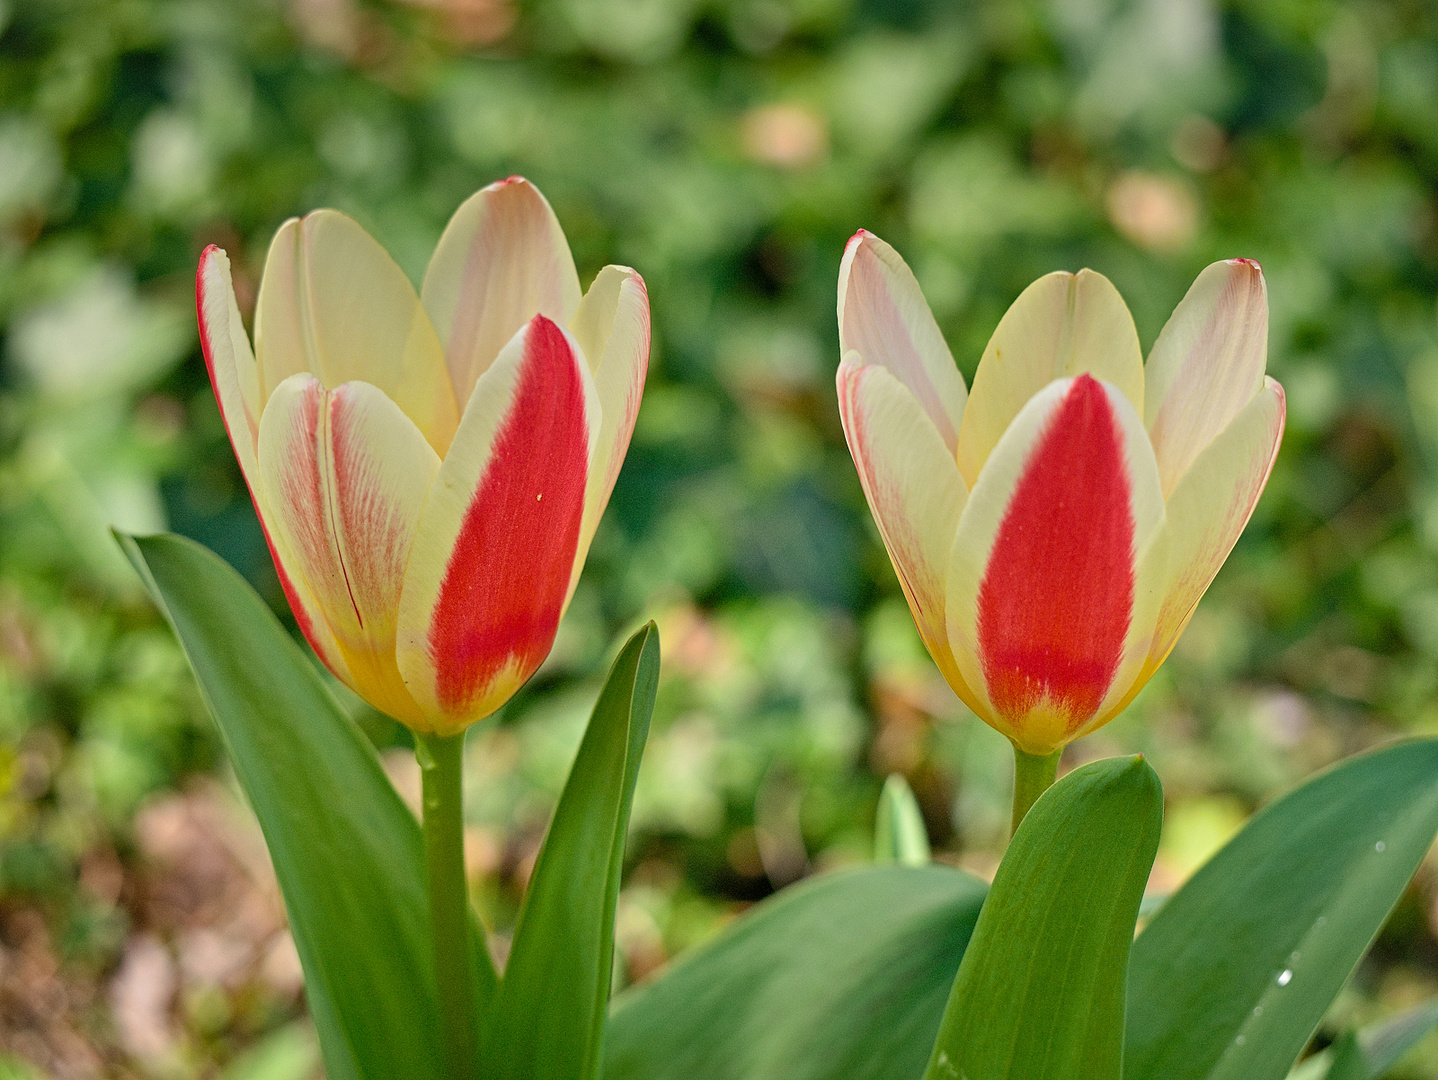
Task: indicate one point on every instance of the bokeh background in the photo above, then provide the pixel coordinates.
(727, 149)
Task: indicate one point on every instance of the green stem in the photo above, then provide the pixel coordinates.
(441, 766)
(1032, 776)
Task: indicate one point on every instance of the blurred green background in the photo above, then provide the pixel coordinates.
(727, 149)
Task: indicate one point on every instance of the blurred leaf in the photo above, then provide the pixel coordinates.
(347, 852)
(1040, 992)
(1347, 1058)
(1232, 976)
(899, 832)
(844, 975)
(101, 338)
(548, 1021)
(12, 1068)
(1378, 1046)
(287, 1054)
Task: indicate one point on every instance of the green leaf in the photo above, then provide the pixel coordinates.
(841, 976)
(1040, 992)
(1382, 1045)
(899, 832)
(1234, 973)
(548, 1020)
(346, 850)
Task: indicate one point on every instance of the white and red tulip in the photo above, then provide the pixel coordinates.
(429, 467)
(1054, 527)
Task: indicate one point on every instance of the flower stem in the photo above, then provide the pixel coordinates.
(1032, 776)
(441, 766)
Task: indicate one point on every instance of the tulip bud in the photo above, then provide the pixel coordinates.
(429, 468)
(1054, 527)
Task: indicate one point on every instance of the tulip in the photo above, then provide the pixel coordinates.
(1054, 527)
(429, 468)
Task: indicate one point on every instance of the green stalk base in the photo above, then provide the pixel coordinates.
(1033, 775)
(441, 767)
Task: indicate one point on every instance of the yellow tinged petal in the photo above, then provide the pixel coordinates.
(456, 507)
(1060, 326)
(913, 487)
(1210, 507)
(502, 259)
(346, 475)
(983, 515)
(612, 328)
(235, 377)
(334, 304)
(1207, 364)
(884, 318)
(228, 356)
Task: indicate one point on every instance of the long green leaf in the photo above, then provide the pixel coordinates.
(548, 1021)
(842, 977)
(1380, 1046)
(346, 850)
(1235, 972)
(1040, 992)
(899, 832)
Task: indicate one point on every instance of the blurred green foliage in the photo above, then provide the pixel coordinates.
(725, 148)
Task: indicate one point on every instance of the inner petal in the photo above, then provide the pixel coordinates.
(1056, 597)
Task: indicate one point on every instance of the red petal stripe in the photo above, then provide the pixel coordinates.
(1057, 595)
(506, 580)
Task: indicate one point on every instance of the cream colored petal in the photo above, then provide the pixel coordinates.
(1210, 506)
(235, 378)
(1060, 326)
(1207, 364)
(346, 475)
(489, 576)
(884, 318)
(228, 357)
(1047, 550)
(502, 260)
(913, 487)
(612, 329)
(334, 304)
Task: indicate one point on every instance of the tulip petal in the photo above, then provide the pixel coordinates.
(914, 491)
(334, 304)
(1042, 577)
(612, 329)
(1060, 326)
(1210, 507)
(235, 378)
(884, 318)
(1207, 364)
(228, 357)
(502, 259)
(345, 476)
(489, 575)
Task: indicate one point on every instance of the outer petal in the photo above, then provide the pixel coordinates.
(334, 304)
(345, 475)
(1207, 364)
(235, 378)
(884, 318)
(502, 259)
(914, 491)
(1060, 326)
(1043, 573)
(612, 328)
(1210, 506)
(489, 576)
